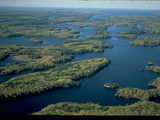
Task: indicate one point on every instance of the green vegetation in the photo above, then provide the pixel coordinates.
(7, 50)
(59, 77)
(100, 27)
(67, 108)
(146, 41)
(36, 31)
(133, 93)
(36, 40)
(35, 23)
(150, 24)
(42, 58)
(111, 85)
(140, 93)
(101, 35)
(155, 83)
(126, 20)
(129, 36)
(34, 66)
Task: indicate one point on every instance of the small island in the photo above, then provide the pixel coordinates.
(111, 85)
(150, 63)
(129, 36)
(99, 35)
(36, 40)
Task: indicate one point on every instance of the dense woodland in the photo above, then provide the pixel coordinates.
(148, 41)
(59, 77)
(130, 34)
(61, 53)
(67, 108)
(140, 93)
(99, 35)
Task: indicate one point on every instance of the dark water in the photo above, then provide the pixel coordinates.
(25, 41)
(124, 69)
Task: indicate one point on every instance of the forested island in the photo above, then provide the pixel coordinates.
(59, 77)
(100, 35)
(130, 34)
(140, 93)
(141, 108)
(42, 58)
(148, 41)
(111, 85)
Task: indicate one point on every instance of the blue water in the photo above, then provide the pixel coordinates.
(126, 60)
(50, 18)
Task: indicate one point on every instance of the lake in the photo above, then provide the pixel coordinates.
(126, 60)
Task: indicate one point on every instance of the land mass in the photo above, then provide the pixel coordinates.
(101, 35)
(45, 57)
(35, 23)
(59, 77)
(140, 108)
(154, 68)
(36, 40)
(141, 94)
(148, 41)
(111, 85)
